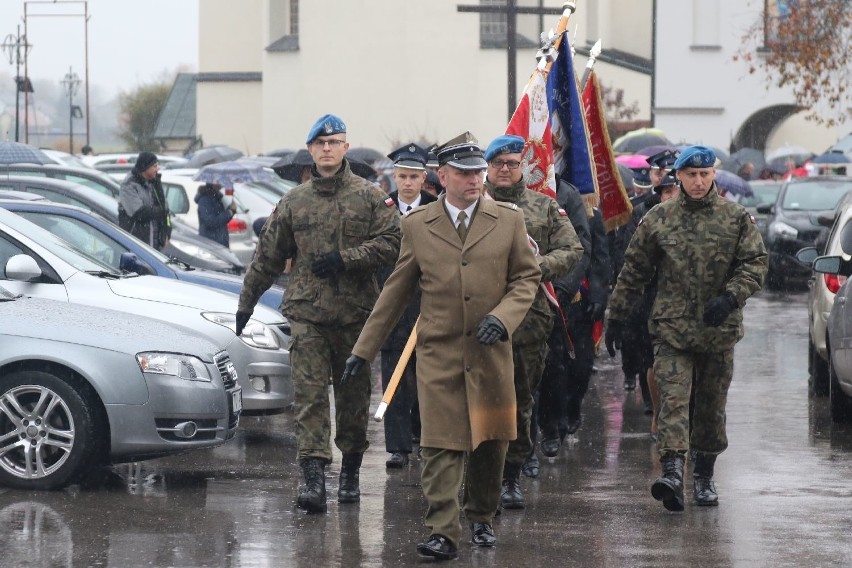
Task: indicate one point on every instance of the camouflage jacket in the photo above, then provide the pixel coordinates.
(343, 213)
(559, 250)
(700, 249)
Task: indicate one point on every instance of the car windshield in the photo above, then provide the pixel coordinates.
(266, 193)
(816, 195)
(6, 295)
(81, 261)
(763, 193)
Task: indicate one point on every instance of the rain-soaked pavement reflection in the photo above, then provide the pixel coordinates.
(784, 490)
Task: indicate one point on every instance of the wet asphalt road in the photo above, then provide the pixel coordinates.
(784, 485)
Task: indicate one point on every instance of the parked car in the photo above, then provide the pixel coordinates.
(765, 192)
(90, 233)
(839, 333)
(84, 176)
(63, 158)
(38, 263)
(180, 192)
(792, 223)
(81, 386)
(822, 289)
(185, 244)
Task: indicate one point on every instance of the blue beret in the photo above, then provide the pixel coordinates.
(327, 125)
(410, 156)
(695, 157)
(506, 144)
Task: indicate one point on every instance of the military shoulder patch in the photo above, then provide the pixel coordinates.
(389, 202)
(507, 205)
(562, 212)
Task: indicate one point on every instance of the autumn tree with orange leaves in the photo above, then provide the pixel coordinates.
(805, 45)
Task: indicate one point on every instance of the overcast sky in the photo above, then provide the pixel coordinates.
(131, 42)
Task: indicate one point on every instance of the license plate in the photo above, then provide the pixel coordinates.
(237, 400)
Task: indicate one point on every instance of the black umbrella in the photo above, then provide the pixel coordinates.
(290, 167)
(212, 155)
(17, 153)
(632, 144)
(744, 156)
(367, 155)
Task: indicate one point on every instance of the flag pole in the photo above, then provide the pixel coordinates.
(397, 373)
(593, 56)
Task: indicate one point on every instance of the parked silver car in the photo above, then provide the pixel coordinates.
(81, 386)
(37, 263)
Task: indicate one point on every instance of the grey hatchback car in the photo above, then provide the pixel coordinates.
(81, 386)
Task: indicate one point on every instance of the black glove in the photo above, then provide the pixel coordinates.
(717, 310)
(327, 265)
(595, 311)
(614, 333)
(242, 320)
(490, 329)
(354, 364)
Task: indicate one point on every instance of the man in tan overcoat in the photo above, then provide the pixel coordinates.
(478, 277)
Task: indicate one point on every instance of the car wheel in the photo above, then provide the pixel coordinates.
(840, 403)
(48, 431)
(818, 382)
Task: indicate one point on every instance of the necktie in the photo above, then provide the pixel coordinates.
(462, 228)
(408, 209)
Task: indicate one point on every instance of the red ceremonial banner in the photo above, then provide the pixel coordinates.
(614, 204)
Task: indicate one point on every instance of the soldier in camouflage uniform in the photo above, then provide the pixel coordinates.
(710, 259)
(338, 229)
(559, 250)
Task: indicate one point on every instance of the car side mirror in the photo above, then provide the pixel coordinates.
(766, 208)
(826, 220)
(129, 262)
(828, 264)
(23, 268)
(807, 255)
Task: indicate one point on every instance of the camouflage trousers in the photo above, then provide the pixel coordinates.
(712, 373)
(318, 355)
(529, 366)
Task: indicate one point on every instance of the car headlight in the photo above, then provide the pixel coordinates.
(255, 333)
(184, 367)
(195, 251)
(783, 230)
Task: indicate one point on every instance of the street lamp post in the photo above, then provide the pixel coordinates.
(17, 48)
(71, 82)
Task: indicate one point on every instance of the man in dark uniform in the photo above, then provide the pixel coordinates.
(558, 251)
(551, 396)
(338, 229)
(709, 258)
(409, 173)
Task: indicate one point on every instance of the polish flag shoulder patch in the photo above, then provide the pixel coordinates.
(389, 202)
(562, 212)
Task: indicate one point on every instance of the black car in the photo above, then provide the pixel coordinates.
(185, 244)
(792, 223)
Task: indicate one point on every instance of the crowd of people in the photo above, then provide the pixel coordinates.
(503, 291)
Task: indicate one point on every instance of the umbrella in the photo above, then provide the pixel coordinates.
(635, 140)
(17, 153)
(656, 149)
(744, 156)
(227, 174)
(832, 158)
(290, 167)
(797, 153)
(632, 161)
(367, 155)
(212, 155)
(732, 183)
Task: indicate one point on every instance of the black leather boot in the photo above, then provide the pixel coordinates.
(630, 382)
(511, 496)
(668, 488)
(703, 487)
(349, 490)
(312, 494)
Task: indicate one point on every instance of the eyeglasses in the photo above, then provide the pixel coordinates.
(333, 143)
(511, 164)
